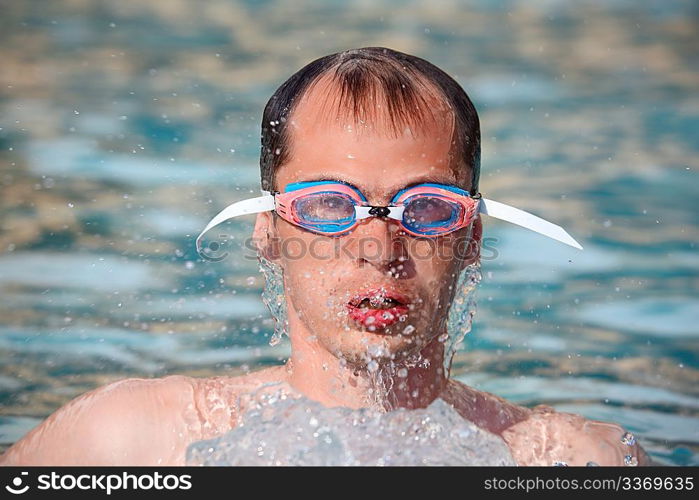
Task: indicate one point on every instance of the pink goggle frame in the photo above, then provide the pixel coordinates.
(287, 209)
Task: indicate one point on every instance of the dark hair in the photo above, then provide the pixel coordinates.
(403, 79)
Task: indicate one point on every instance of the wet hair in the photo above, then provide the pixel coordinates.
(404, 82)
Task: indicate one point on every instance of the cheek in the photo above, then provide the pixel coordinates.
(312, 276)
(434, 260)
(436, 269)
(308, 256)
(300, 249)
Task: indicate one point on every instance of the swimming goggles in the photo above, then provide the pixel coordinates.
(333, 208)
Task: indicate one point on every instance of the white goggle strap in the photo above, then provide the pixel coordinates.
(499, 211)
(525, 219)
(243, 207)
(488, 207)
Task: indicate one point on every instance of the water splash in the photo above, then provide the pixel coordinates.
(457, 325)
(274, 298)
(298, 431)
(461, 311)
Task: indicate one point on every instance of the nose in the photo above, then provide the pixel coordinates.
(377, 242)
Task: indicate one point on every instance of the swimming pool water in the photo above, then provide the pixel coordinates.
(125, 125)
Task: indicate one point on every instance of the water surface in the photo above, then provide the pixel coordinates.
(125, 125)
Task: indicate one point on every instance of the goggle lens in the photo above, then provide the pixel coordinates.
(430, 214)
(326, 211)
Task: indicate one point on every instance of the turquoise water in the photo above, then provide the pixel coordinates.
(125, 125)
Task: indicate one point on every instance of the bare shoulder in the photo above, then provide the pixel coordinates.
(138, 421)
(222, 400)
(549, 437)
(105, 426)
(488, 411)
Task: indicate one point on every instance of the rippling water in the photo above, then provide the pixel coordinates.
(125, 125)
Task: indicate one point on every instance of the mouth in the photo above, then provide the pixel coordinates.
(378, 308)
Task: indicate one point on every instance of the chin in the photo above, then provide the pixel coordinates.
(361, 346)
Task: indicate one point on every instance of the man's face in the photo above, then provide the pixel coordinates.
(322, 274)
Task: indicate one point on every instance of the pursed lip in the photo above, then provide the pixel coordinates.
(378, 318)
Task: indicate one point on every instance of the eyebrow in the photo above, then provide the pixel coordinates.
(427, 178)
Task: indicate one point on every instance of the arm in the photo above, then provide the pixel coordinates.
(548, 436)
(128, 422)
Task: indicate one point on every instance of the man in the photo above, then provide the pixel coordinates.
(370, 166)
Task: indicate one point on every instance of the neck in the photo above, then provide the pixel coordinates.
(322, 377)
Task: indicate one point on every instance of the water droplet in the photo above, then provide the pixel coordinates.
(250, 280)
(592, 464)
(189, 264)
(630, 460)
(372, 366)
(628, 439)
(558, 463)
(408, 330)
(402, 372)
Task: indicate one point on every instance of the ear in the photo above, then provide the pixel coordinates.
(473, 250)
(265, 236)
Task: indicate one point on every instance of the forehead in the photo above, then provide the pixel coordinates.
(374, 108)
(331, 140)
